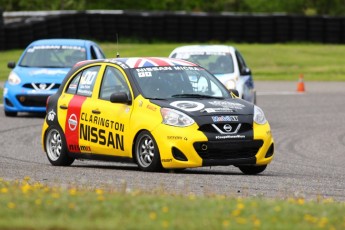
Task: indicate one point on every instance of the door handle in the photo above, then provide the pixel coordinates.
(96, 111)
(63, 107)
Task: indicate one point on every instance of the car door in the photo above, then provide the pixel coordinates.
(109, 122)
(71, 107)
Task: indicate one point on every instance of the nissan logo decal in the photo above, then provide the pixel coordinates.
(227, 128)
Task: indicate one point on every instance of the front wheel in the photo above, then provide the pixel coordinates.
(56, 149)
(147, 153)
(252, 169)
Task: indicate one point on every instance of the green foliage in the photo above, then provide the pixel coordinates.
(32, 205)
(306, 7)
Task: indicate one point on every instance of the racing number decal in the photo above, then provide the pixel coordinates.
(72, 124)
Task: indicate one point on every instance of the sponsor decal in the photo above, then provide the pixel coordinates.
(79, 148)
(177, 138)
(227, 104)
(230, 137)
(48, 72)
(174, 138)
(167, 160)
(72, 122)
(145, 74)
(151, 107)
(152, 69)
(217, 110)
(51, 115)
(224, 118)
(55, 47)
(186, 68)
(74, 107)
(188, 105)
(188, 54)
(107, 132)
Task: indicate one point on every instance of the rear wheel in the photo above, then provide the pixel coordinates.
(147, 153)
(252, 169)
(56, 148)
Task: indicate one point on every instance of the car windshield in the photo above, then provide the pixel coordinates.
(53, 56)
(178, 82)
(216, 63)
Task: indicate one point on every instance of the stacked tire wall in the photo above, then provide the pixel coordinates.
(175, 27)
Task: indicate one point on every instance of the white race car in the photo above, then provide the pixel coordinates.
(225, 62)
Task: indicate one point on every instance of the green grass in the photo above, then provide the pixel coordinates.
(317, 62)
(31, 205)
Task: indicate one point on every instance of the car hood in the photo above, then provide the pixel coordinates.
(208, 107)
(48, 75)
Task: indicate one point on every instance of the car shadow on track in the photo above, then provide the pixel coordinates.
(191, 171)
(27, 115)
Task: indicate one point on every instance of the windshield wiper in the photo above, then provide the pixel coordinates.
(186, 95)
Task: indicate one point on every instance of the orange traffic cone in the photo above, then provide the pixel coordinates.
(300, 84)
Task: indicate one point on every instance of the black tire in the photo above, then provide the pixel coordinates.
(147, 153)
(56, 148)
(10, 114)
(252, 169)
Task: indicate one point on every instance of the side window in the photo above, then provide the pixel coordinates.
(113, 82)
(241, 63)
(97, 52)
(93, 53)
(73, 85)
(87, 81)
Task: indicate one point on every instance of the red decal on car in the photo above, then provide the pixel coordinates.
(72, 123)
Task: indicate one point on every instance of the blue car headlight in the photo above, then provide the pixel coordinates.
(175, 118)
(13, 79)
(259, 116)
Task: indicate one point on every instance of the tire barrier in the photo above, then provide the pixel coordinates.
(174, 27)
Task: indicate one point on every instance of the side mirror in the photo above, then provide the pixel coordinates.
(11, 64)
(246, 71)
(121, 97)
(234, 92)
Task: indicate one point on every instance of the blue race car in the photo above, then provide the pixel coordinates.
(40, 71)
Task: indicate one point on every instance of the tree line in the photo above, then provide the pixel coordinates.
(300, 7)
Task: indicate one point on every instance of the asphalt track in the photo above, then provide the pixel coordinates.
(309, 132)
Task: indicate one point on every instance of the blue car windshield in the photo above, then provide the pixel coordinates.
(163, 82)
(53, 56)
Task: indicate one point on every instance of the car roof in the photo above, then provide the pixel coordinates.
(203, 48)
(62, 41)
(137, 62)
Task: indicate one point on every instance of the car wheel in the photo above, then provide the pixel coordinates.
(147, 153)
(252, 169)
(56, 149)
(10, 114)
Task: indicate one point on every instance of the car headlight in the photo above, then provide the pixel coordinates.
(13, 79)
(259, 116)
(230, 84)
(175, 118)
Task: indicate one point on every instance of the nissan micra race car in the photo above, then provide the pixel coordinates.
(161, 113)
(224, 62)
(40, 71)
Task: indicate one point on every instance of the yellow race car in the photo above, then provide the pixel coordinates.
(157, 112)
